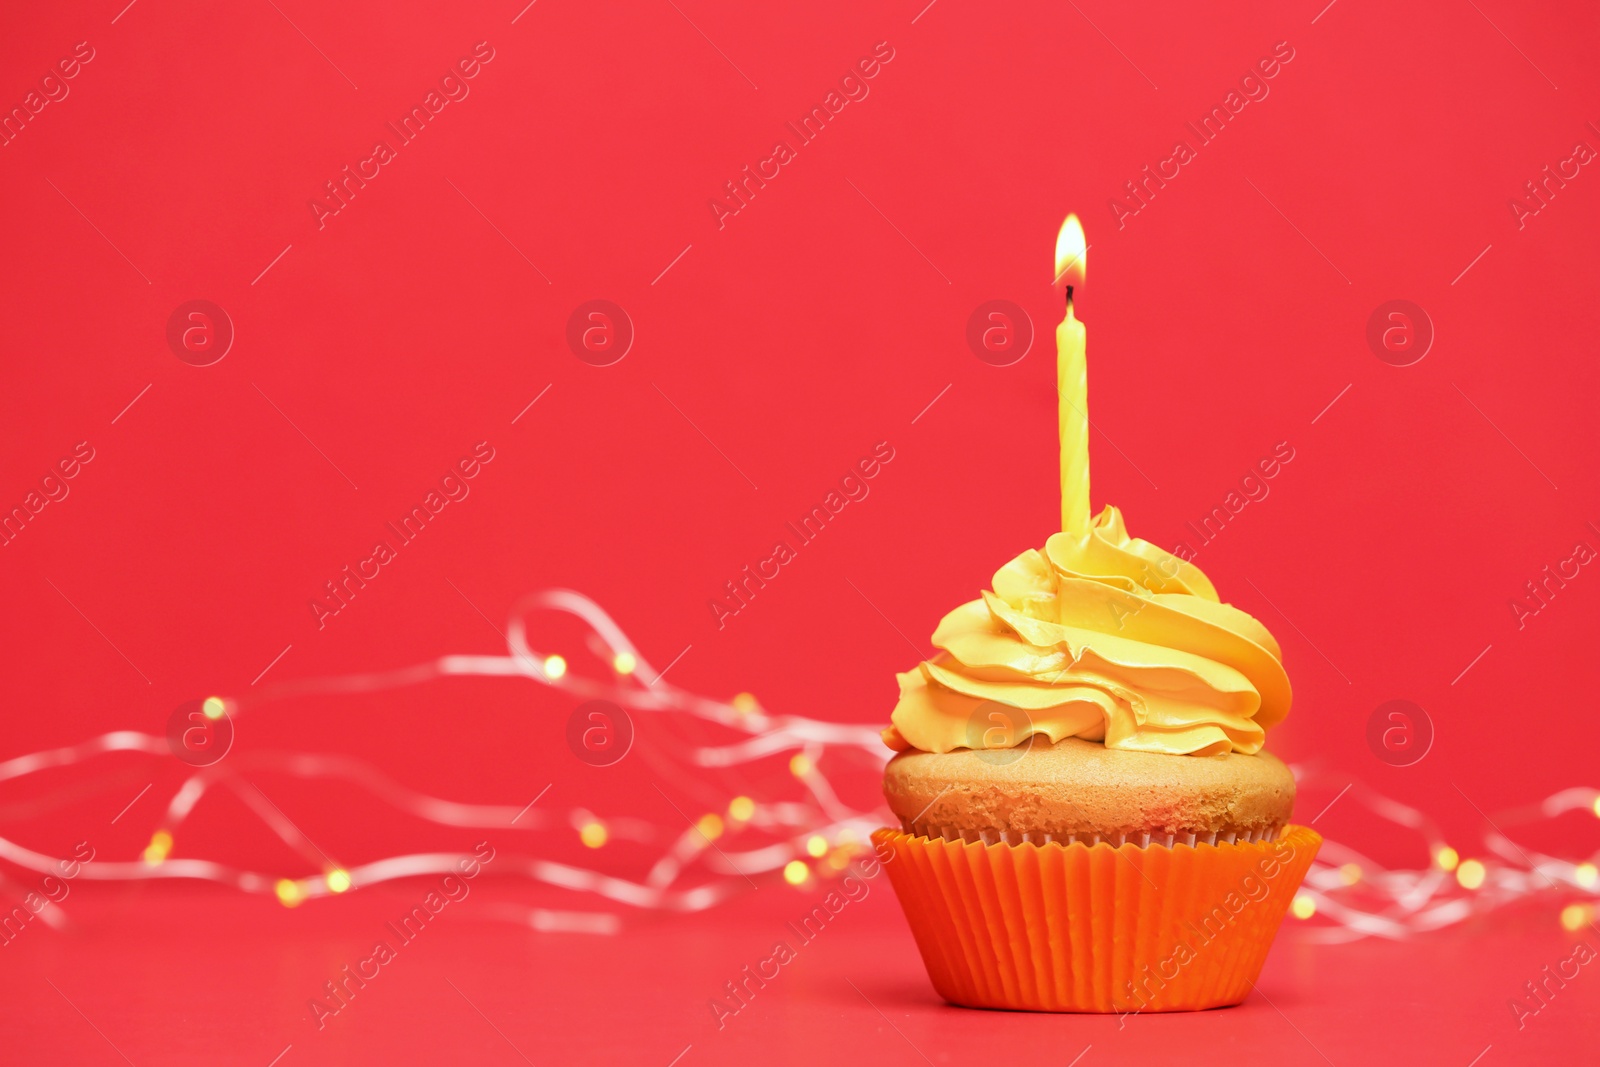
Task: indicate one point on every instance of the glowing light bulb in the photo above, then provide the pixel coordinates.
(158, 848)
(1350, 873)
(554, 667)
(1471, 874)
(1586, 875)
(1576, 916)
(800, 765)
(338, 880)
(796, 872)
(1447, 858)
(817, 845)
(624, 663)
(744, 703)
(214, 707)
(741, 808)
(1303, 907)
(710, 825)
(839, 859)
(593, 834)
(289, 893)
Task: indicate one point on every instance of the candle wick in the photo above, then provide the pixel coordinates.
(1069, 296)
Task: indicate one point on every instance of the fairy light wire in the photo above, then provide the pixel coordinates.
(1346, 895)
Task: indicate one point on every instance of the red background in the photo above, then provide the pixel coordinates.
(818, 321)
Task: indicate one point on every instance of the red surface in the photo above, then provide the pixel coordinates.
(821, 319)
(180, 978)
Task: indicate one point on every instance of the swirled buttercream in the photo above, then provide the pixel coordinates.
(1100, 636)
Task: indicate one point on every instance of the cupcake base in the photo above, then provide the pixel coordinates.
(1095, 928)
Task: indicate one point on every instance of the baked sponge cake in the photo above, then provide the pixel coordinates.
(1088, 818)
(1080, 791)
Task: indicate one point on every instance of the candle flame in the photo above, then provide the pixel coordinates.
(1072, 252)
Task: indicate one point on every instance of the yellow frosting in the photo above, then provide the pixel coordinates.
(1104, 637)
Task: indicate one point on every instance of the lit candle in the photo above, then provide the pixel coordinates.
(1072, 384)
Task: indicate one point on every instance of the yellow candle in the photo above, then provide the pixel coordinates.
(1072, 384)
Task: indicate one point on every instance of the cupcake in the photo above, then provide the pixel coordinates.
(1088, 820)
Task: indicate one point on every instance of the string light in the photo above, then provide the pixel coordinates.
(214, 707)
(1349, 894)
(684, 877)
(158, 848)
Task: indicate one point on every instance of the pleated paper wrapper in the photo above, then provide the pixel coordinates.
(1095, 928)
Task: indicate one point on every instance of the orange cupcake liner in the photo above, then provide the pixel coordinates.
(1095, 928)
